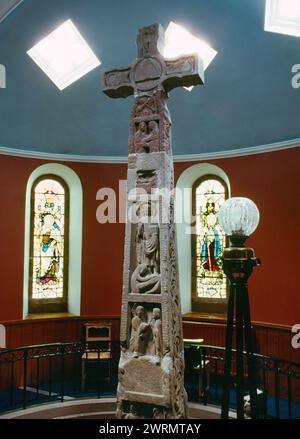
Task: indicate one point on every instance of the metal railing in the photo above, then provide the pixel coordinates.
(63, 371)
(277, 381)
(56, 372)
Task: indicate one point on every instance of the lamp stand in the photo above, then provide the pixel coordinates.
(238, 264)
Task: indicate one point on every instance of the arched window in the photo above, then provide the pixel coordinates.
(209, 283)
(48, 270)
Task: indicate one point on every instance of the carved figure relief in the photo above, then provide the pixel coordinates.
(140, 137)
(146, 278)
(138, 323)
(153, 136)
(157, 332)
(146, 137)
(150, 125)
(146, 332)
(144, 282)
(148, 246)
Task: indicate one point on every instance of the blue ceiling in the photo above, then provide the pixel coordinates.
(247, 99)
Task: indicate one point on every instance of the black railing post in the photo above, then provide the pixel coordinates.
(98, 373)
(239, 354)
(25, 379)
(204, 377)
(265, 393)
(228, 352)
(277, 390)
(252, 377)
(12, 383)
(62, 359)
(38, 377)
(289, 395)
(216, 374)
(110, 365)
(50, 375)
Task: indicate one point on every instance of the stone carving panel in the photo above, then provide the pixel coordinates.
(147, 244)
(145, 330)
(145, 282)
(146, 277)
(146, 136)
(178, 391)
(150, 40)
(180, 66)
(116, 77)
(150, 125)
(145, 106)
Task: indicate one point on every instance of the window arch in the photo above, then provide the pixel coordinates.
(184, 210)
(72, 252)
(209, 283)
(48, 279)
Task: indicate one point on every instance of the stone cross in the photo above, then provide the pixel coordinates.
(151, 367)
(151, 72)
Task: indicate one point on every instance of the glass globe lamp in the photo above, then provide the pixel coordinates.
(238, 217)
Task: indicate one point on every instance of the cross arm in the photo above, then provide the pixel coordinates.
(116, 83)
(183, 71)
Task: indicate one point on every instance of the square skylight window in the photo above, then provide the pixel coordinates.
(64, 55)
(283, 16)
(179, 41)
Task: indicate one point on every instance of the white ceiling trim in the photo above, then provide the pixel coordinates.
(7, 6)
(239, 152)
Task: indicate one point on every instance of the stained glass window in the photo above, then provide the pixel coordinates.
(49, 228)
(209, 241)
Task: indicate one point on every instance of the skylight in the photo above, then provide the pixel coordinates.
(283, 16)
(64, 55)
(179, 41)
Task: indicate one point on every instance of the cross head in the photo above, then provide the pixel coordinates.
(151, 72)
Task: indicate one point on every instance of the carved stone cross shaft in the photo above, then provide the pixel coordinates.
(151, 367)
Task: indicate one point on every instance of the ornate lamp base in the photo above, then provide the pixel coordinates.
(238, 263)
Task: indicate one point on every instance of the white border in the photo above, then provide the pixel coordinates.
(238, 152)
(75, 233)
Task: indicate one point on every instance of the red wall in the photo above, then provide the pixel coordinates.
(271, 180)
